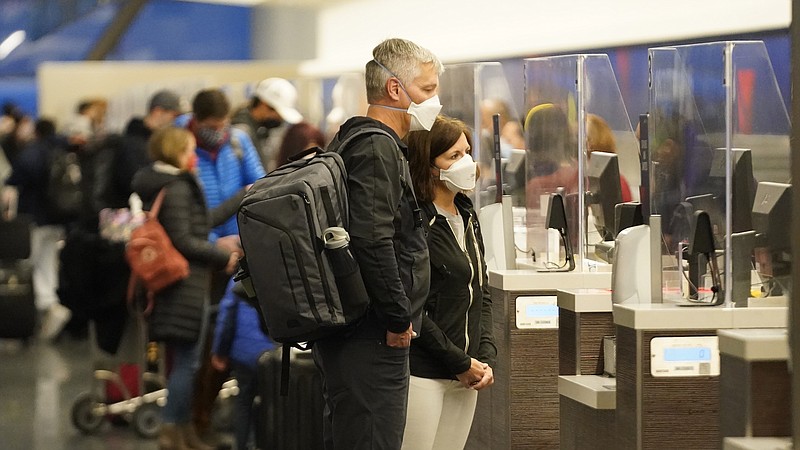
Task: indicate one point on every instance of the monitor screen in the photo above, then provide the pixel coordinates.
(743, 193)
(605, 191)
(743, 186)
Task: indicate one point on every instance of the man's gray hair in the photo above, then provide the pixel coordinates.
(403, 58)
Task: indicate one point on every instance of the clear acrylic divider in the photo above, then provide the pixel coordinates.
(719, 138)
(580, 143)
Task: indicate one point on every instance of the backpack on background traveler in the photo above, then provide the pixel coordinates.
(65, 200)
(306, 288)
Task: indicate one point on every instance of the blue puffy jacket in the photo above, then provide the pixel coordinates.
(224, 174)
(238, 335)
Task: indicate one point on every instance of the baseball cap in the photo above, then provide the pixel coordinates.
(165, 99)
(281, 95)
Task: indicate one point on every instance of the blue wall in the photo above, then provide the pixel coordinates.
(172, 30)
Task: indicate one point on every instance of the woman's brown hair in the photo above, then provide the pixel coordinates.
(425, 146)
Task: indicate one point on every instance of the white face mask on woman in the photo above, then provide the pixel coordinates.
(461, 175)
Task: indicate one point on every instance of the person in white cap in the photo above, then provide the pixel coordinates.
(266, 118)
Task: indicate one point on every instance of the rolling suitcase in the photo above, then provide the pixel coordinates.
(17, 307)
(292, 422)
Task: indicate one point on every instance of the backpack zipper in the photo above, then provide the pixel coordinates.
(298, 255)
(318, 255)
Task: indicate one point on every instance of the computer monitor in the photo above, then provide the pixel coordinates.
(743, 186)
(772, 222)
(743, 193)
(605, 191)
(627, 215)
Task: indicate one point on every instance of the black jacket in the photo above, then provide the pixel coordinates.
(118, 159)
(387, 239)
(457, 324)
(178, 311)
(30, 174)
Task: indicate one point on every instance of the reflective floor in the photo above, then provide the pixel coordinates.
(39, 383)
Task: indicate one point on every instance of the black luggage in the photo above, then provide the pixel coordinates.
(292, 422)
(17, 307)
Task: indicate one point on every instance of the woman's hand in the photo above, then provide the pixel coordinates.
(219, 363)
(473, 375)
(487, 380)
(233, 262)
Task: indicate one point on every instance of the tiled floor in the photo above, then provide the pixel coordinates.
(39, 383)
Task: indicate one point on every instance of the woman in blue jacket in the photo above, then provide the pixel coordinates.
(453, 356)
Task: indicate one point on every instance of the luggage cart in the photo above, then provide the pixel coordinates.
(143, 411)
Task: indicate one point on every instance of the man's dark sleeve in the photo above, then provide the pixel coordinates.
(374, 194)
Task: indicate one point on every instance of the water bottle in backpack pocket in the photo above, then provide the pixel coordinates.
(343, 263)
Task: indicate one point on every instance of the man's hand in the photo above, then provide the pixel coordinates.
(400, 340)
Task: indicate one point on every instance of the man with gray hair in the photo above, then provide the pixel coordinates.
(365, 369)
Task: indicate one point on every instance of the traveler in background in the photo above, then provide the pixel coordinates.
(87, 125)
(299, 138)
(16, 130)
(227, 163)
(453, 356)
(238, 344)
(178, 318)
(365, 369)
(30, 176)
(271, 111)
(121, 156)
(600, 138)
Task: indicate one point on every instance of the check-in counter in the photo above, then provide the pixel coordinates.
(667, 366)
(587, 412)
(755, 384)
(521, 410)
(584, 319)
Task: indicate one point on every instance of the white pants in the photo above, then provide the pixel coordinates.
(44, 257)
(439, 414)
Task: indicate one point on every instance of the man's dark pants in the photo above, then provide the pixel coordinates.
(365, 385)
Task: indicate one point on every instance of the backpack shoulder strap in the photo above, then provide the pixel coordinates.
(364, 131)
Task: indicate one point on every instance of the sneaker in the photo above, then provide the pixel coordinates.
(55, 318)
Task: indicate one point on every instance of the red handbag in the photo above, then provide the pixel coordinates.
(154, 261)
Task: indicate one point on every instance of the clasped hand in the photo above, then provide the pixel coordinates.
(478, 376)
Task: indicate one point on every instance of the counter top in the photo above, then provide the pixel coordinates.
(757, 443)
(755, 344)
(671, 316)
(585, 300)
(531, 280)
(595, 391)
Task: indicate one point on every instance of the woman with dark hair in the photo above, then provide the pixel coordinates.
(299, 137)
(452, 357)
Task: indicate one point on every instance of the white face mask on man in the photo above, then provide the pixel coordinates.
(423, 115)
(460, 176)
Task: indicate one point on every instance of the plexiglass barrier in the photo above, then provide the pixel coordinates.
(719, 134)
(578, 142)
(473, 93)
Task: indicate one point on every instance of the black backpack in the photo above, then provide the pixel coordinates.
(281, 223)
(64, 189)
